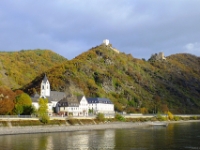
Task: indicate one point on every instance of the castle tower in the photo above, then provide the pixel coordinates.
(162, 55)
(106, 42)
(45, 87)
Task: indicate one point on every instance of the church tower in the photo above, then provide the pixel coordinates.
(45, 88)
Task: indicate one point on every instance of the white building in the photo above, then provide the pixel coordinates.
(45, 88)
(45, 92)
(100, 105)
(59, 102)
(106, 42)
(73, 106)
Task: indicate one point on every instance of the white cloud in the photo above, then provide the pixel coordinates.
(192, 48)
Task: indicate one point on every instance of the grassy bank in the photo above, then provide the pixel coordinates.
(14, 123)
(74, 121)
(72, 124)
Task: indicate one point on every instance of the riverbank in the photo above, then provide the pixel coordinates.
(67, 128)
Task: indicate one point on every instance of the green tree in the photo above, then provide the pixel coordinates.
(23, 104)
(23, 99)
(18, 109)
(29, 110)
(119, 117)
(100, 117)
(43, 110)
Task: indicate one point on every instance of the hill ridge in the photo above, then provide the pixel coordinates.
(133, 85)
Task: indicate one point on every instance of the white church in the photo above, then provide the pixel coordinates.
(59, 102)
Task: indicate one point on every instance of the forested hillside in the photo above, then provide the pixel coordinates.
(19, 68)
(132, 84)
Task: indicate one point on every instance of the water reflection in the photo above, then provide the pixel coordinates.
(173, 137)
(91, 139)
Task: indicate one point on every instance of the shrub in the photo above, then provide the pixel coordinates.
(119, 117)
(176, 118)
(44, 119)
(161, 118)
(153, 119)
(170, 115)
(194, 117)
(100, 117)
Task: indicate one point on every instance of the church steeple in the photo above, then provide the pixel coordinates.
(45, 87)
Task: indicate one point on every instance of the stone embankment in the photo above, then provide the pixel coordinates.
(65, 128)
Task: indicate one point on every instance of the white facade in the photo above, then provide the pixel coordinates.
(106, 42)
(80, 106)
(45, 88)
(80, 110)
(83, 106)
(102, 108)
(35, 104)
(74, 111)
(50, 109)
(100, 105)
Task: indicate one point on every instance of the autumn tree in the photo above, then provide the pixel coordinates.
(18, 92)
(6, 100)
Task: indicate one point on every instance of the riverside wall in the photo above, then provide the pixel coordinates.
(67, 128)
(9, 130)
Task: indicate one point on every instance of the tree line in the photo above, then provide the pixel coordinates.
(19, 103)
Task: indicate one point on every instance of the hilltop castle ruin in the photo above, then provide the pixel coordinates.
(159, 56)
(106, 43)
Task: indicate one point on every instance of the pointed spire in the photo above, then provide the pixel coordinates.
(45, 78)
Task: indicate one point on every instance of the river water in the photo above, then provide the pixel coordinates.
(175, 136)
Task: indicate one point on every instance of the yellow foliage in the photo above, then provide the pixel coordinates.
(170, 115)
(144, 110)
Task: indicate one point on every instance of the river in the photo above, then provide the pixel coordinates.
(175, 136)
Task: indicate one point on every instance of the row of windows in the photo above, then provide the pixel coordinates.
(100, 105)
(104, 102)
(73, 108)
(103, 108)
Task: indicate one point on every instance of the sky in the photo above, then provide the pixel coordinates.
(71, 27)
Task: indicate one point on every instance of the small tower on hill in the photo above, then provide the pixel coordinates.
(45, 88)
(106, 42)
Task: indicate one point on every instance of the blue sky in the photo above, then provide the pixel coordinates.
(137, 27)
